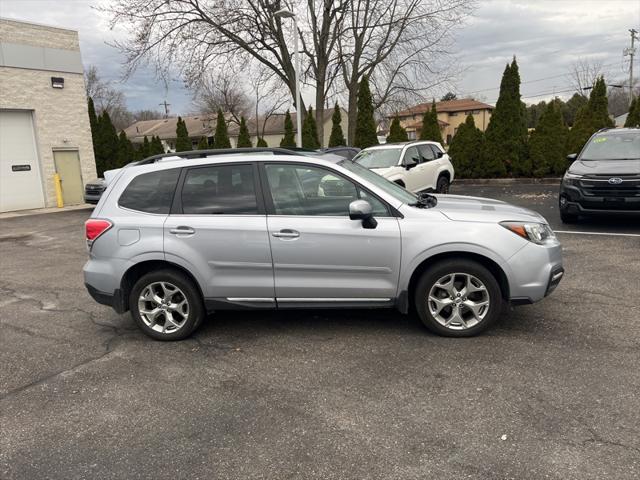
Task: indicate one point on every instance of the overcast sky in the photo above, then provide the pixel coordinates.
(547, 36)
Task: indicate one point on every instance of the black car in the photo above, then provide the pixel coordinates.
(604, 177)
(93, 190)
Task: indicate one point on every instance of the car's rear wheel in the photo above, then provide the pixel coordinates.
(166, 305)
(443, 185)
(458, 298)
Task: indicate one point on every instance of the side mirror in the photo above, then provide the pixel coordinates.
(439, 154)
(572, 157)
(361, 210)
(409, 163)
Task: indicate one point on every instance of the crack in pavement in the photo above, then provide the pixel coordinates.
(42, 306)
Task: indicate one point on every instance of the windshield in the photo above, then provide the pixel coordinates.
(378, 157)
(389, 187)
(616, 146)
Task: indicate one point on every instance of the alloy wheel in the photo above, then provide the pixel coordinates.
(163, 307)
(458, 301)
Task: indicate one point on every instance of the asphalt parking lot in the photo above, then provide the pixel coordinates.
(550, 393)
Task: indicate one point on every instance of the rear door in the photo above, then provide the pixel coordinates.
(218, 228)
(320, 256)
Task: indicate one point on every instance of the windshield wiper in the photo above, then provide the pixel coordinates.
(425, 200)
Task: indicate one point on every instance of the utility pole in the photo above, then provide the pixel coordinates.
(166, 108)
(631, 52)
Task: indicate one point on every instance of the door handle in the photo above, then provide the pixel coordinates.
(286, 233)
(182, 230)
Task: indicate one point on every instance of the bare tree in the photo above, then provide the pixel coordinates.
(341, 40)
(142, 115)
(107, 98)
(397, 43)
(584, 73)
(224, 90)
(269, 99)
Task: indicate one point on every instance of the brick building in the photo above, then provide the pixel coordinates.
(44, 124)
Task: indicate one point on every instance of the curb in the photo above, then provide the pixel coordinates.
(507, 181)
(43, 211)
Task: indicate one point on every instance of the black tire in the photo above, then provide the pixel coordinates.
(186, 289)
(475, 272)
(443, 185)
(568, 217)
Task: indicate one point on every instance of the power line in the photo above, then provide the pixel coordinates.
(535, 80)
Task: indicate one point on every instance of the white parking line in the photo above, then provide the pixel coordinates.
(600, 233)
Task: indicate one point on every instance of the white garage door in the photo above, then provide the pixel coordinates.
(20, 183)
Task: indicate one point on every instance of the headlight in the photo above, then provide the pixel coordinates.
(571, 179)
(539, 233)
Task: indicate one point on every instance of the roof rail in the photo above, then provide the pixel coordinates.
(211, 152)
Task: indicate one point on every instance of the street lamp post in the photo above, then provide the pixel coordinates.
(284, 13)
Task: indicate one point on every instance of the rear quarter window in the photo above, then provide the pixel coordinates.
(150, 192)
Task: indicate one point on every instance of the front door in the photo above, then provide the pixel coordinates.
(218, 229)
(67, 164)
(320, 256)
(415, 179)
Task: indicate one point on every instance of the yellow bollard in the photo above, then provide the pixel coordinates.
(58, 185)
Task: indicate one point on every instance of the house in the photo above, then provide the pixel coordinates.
(198, 126)
(451, 113)
(44, 122)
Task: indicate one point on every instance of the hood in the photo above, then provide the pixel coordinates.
(478, 209)
(605, 167)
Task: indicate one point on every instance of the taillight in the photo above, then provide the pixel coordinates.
(94, 227)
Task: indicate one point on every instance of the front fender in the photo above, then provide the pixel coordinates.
(451, 249)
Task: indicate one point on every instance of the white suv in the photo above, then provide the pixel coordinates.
(417, 166)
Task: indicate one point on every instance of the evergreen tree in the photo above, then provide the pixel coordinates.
(590, 118)
(571, 107)
(547, 143)
(505, 146)
(337, 136)
(449, 96)
(244, 139)
(310, 131)
(221, 138)
(430, 128)
(261, 142)
(365, 134)
(156, 146)
(93, 123)
(107, 144)
(183, 142)
(633, 117)
(466, 149)
(146, 148)
(289, 139)
(396, 132)
(126, 153)
(203, 143)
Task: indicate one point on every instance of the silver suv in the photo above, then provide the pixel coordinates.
(177, 238)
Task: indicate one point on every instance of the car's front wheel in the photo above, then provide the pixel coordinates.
(458, 298)
(166, 305)
(568, 217)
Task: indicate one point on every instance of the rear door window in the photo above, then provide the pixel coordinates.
(427, 152)
(219, 190)
(151, 192)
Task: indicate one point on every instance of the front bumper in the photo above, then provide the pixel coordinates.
(575, 200)
(536, 270)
